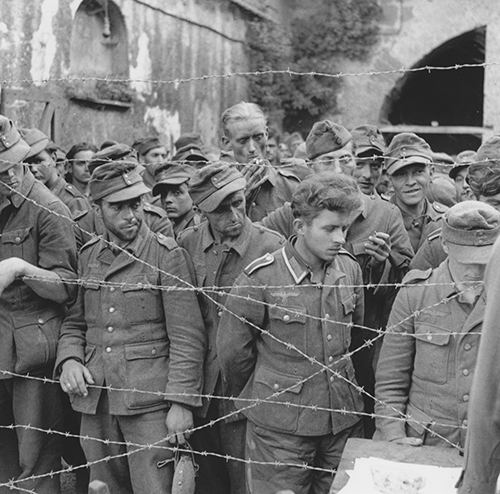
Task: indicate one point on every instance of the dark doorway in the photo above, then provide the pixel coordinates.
(443, 97)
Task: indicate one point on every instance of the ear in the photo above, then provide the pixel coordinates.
(225, 142)
(445, 246)
(431, 170)
(97, 210)
(299, 226)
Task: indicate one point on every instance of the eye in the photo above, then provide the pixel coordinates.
(237, 204)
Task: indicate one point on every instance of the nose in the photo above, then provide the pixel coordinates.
(251, 146)
(365, 171)
(338, 236)
(128, 213)
(234, 214)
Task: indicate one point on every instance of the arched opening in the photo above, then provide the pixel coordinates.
(99, 40)
(443, 98)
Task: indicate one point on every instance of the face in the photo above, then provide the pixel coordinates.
(294, 144)
(273, 151)
(367, 172)
(43, 167)
(12, 178)
(339, 161)
(384, 185)
(411, 183)
(229, 217)
(466, 272)
(80, 166)
(155, 156)
(323, 237)
(176, 201)
(464, 193)
(247, 139)
(491, 200)
(122, 219)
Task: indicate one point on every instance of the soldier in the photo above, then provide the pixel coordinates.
(78, 159)
(245, 134)
(44, 168)
(171, 184)
(428, 357)
(482, 459)
(37, 254)
(125, 333)
(189, 150)
(408, 165)
(284, 336)
(150, 153)
(220, 248)
(458, 174)
(369, 146)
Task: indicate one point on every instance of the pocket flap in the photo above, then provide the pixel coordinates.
(349, 302)
(147, 350)
(432, 334)
(15, 236)
(418, 420)
(141, 282)
(277, 381)
(289, 314)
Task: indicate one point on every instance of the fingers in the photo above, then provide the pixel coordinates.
(88, 376)
(409, 441)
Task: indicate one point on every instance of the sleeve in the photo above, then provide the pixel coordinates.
(482, 454)
(394, 370)
(430, 255)
(280, 220)
(238, 332)
(185, 329)
(57, 245)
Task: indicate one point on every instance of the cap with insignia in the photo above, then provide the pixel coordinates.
(36, 140)
(171, 174)
(13, 149)
(116, 182)
(407, 149)
(111, 153)
(189, 148)
(325, 137)
(470, 229)
(210, 185)
(368, 138)
(143, 146)
(463, 160)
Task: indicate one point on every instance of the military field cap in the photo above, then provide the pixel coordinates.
(36, 140)
(114, 152)
(211, 184)
(143, 146)
(470, 229)
(489, 152)
(325, 137)
(406, 149)
(187, 140)
(442, 189)
(171, 174)
(117, 181)
(368, 138)
(13, 149)
(192, 154)
(463, 160)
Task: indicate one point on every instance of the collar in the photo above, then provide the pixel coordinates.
(240, 245)
(58, 186)
(24, 189)
(135, 247)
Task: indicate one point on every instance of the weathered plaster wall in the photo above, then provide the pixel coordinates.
(411, 29)
(174, 39)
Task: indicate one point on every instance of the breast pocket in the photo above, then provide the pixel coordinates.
(432, 353)
(143, 301)
(15, 244)
(288, 326)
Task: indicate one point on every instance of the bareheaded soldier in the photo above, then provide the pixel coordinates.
(285, 336)
(37, 254)
(124, 332)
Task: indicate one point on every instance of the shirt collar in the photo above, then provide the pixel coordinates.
(240, 245)
(135, 247)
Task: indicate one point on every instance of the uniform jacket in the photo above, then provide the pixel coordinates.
(191, 218)
(219, 266)
(39, 230)
(76, 202)
(424, 369)
(275, 293)
(431, 253)
(278, 188)
(131, 335)
(482, 454)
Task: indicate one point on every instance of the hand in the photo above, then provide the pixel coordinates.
(255, 174)
(409, 441)
(179, 420)
(378, 246)
(75, 377)
(10, 269)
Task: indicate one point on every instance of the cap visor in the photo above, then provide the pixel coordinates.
(168, 181)
(366, 149)
(128, 193)
(212, 202)
(16, 154)
(37, 147)
(411, 160)
(470, 254)
(454, 171)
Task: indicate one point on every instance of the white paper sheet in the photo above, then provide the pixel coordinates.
(419, 479)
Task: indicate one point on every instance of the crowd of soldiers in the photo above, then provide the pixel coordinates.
(250, 311)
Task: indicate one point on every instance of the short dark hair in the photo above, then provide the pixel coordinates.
(273, 133)
(333, 191)
(80, 146)
(484, 179)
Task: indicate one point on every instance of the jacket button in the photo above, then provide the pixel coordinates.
(465, 372)
(219, 313)
(466, 397)
(40, 321)
(108, 349)
(327, 316)
(330, 359)
(110, 329)
(153, 351)
(112, 289)
(467, 347)
(286, 318)
(331, 378)
(18, 240)
(465, 423)
(111, 309)
(276, 386)
(429, 337)
(329, 337)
